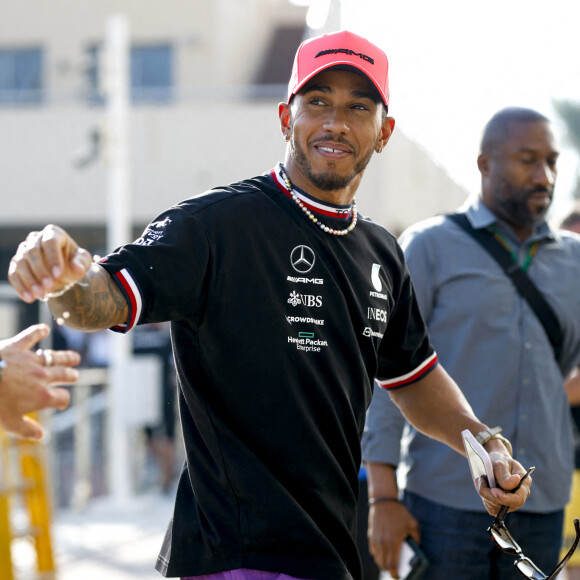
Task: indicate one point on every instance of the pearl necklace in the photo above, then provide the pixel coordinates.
(311, 216)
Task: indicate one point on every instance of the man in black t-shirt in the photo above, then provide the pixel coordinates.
(285, 305)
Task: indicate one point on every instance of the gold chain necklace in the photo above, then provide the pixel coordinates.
(311, 216)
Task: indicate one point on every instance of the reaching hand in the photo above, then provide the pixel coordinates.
(27, 382)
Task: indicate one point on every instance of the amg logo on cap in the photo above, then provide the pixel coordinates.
(346, 51)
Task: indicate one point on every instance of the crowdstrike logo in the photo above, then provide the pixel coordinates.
(305, 320)
(347, 51)
(302, 259)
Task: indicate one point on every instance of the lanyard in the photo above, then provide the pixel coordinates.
(529, 255)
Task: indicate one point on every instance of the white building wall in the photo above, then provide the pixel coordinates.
(209, 136)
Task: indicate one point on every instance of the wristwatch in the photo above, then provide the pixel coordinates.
(2, 366)
(494, 433)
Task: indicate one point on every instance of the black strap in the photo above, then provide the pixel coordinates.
(523, 283)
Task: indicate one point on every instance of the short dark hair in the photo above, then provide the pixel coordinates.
(497, 129)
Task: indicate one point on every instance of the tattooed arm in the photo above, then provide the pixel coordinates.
(49, 265)
(94, 303)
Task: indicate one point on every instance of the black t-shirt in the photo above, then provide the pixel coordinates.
(279, 330)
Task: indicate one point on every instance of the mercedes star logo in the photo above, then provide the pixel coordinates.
(302, 259)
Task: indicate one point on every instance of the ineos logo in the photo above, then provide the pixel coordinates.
(302, 259)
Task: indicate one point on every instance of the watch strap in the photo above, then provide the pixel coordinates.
(494, 433)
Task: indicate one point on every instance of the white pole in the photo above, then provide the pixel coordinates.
(116, 87)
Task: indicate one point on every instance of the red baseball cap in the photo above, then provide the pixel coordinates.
(340, 49)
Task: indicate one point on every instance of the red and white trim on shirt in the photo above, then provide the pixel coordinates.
(426, 366)
(317, 206)
(125, 280)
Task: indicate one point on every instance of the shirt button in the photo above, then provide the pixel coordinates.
(526, 381)
(527, 346)
(521, 451)
(524, 417)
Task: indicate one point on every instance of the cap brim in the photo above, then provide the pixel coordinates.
(340, 65)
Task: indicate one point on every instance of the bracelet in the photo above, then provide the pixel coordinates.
(373, 500)
(484, 436)
(58, 293)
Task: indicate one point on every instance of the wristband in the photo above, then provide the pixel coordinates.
(50, 295)
(373, 500)
(484, 436)
(2, 366)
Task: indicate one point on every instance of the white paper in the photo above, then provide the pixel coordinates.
(479, 461)
(405, 558)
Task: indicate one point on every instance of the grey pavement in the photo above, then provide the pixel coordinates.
(112, 541)
(108, 540)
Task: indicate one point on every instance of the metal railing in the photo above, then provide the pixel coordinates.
(77, 420)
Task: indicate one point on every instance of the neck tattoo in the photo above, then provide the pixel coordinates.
(311, 216)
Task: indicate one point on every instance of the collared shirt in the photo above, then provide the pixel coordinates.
(493, 345)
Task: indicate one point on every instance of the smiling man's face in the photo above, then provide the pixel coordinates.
(335, 123)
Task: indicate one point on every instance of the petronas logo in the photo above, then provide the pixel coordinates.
(375, 279)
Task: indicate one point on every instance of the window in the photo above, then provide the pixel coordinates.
(21, 75)
(151, 73)
(92, 75)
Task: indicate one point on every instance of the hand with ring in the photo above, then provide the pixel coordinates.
(28, 380)
(47, 356)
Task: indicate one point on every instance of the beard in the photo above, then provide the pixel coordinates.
(512, 204)
(327, 180)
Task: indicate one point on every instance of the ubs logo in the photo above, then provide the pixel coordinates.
(302, 259)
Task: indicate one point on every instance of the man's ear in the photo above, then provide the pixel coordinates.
(483, 163)
(385, 135)
(284, 116)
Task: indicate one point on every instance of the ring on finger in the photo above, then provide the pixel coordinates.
(47, 355)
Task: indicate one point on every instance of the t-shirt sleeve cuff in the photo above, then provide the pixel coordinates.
(130, 289)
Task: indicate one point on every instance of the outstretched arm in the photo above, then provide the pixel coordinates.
(27, 383)
(50, 266)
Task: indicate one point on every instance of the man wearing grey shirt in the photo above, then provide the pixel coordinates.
(492, 343)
